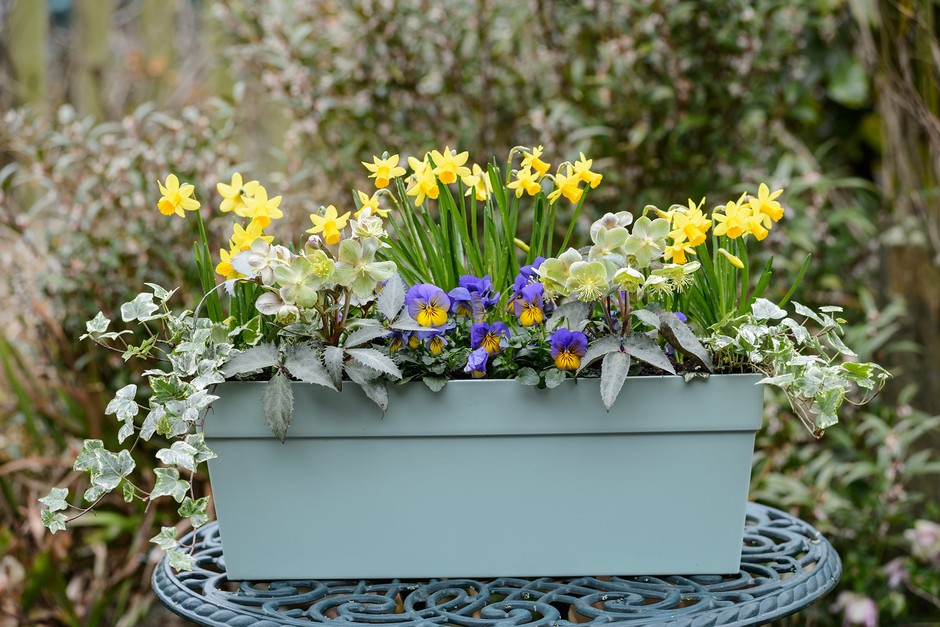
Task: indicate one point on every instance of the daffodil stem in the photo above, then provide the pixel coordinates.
(742, 249)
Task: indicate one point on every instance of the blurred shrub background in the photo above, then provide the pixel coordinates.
(835, 100)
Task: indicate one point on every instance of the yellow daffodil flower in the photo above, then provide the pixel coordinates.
(175, 197)
(330, 224)
(261, 209)
(566, 185)
(242, 238)
(369, 202)
(532, 160)
(765, 206)
(582, 169)
(449, 166)
(734, 260)
(478, 183)
(677, 251)
(732, 221)
(384, 170)
(236, 193)
(753, 226)
(224, 268)
(691, 225)
(424, 183)
(526, 181)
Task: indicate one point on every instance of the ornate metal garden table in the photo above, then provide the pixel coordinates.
(786, 566)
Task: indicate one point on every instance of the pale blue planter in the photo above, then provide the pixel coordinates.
(486, 479)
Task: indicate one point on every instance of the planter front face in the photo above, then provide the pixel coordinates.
(486, 479)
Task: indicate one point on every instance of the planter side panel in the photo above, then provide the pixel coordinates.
(510, 504)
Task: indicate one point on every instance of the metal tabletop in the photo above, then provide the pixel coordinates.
(786, 565)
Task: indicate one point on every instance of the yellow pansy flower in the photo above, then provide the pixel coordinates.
(261, 209)
(175, 197)
(236, 193)
(532, 160)
(369, 202)
(449, 166)
(330, 224)
(526, 181)
(242, 237)
(765, 206)
(384, 170)
(582, 169)
(566, 185)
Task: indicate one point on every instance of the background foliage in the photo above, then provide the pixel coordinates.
(836, 101)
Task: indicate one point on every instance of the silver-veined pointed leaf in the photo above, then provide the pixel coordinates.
(375, 360)
(363, 336)
(255, 358)
(371, 383)
(682, 339)
(333, 359)
(303, 361)
(277, 404)
(641, 346)
(572, 313)
(391, 298)
(614, 370)
(598, 349)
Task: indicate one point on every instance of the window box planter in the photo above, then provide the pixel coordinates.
(486, 478)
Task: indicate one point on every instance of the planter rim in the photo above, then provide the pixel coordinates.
(656, 404)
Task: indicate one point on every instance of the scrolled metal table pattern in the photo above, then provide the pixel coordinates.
(786, 566)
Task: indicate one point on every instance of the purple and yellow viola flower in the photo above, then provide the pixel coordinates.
(568, 347)
(434, 339)
(527, 305)
(427, 304)
(473, 297)
(529, 271)
(493, 337)
(399, 340)
(476, 362)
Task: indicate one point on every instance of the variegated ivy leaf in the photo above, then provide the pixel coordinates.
(169, 484)
(123, 403)
(763, 309)
(53, 521)
(160, 293)
(277, 404)
(166, 539)
(803, 310)
(255, 358)
(392, 297)
(195, 511)
(179, 454)
(141, 308)
(106, 469)
(98, 324)
(180, 560)
(198, 442)
(55, 500)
